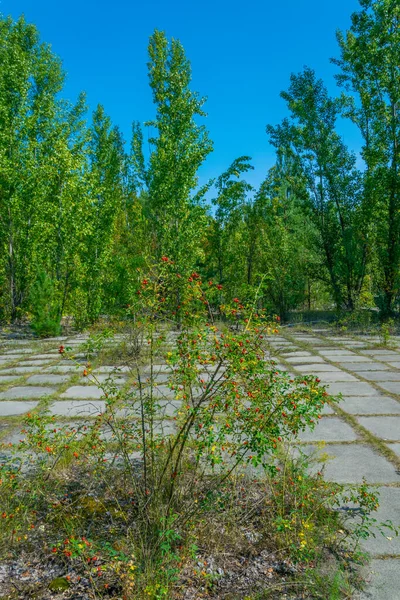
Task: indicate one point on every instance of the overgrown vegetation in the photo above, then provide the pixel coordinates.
(185, 485)
(80, 210)
(188, 484)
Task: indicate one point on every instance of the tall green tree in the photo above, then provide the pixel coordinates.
(170, 175)
(105, 178)
(228, 223)
(370, 75)
(41, 163)
(334, 184)
(287, 259)
(30, 79)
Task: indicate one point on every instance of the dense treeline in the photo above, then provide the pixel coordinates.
(79, 214)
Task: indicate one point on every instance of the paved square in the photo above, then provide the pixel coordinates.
(329, 358)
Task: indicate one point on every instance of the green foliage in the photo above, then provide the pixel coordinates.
(332, 183)
(44, 307)
(75, 205)
(175, 212)
(370, 55)
(157, 495)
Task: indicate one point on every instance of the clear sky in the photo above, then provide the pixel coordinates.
(242, 54)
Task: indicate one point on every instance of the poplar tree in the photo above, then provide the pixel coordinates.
(334, 184)
(370, 76)
(179, 147)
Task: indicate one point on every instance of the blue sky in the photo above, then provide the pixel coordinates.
(241, 53)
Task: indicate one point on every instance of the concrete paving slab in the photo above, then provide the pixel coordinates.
(8, 378)
(77, 408)
(368, 366)
(21, 351)
(300, 353)
(329, 430)
(163, 391)
(395, 447)
(383, 580)
(390, 386)
(22, 370)
(381, 352)
(163, 368)
(47, 378)
(379, 376)
(336, 377)
(386, 428)
(394, 364)
(303, 360)
(9, 408)
(370, 405)
(112, 369)
(63, 369)
(34, 363)
(389, 510)
(355, 358)
(388, 358)
(83, 392)
(15, 393)
(351, 463)
(351, 388)
(103, 378)
(336, 352)
(319, 368)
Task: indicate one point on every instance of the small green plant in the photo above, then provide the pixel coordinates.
(46, 319)
(386, 331)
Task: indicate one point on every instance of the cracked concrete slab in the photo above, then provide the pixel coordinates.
(77, 408)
